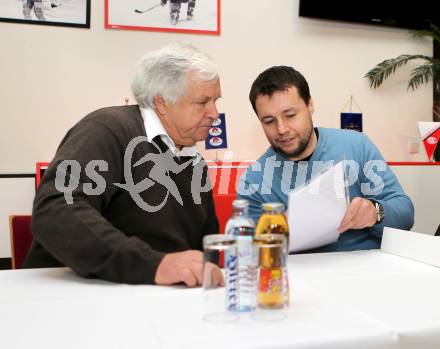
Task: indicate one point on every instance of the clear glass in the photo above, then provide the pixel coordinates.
(273, 287)
(220, 279)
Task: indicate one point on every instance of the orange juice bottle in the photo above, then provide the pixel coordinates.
(273, 221)
(272, 274)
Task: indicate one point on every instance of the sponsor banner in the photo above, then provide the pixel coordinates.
(217, 134)
(430, 133)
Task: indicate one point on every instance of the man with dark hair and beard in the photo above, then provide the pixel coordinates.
(280, 97)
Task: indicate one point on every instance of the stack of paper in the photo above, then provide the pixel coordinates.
(316, 209)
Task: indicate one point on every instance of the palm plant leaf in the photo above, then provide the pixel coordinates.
(429, 69)
(383, 70)
(420, 75)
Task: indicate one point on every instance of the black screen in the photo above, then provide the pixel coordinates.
(391, 13)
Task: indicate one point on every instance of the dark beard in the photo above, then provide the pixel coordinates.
(301, 146)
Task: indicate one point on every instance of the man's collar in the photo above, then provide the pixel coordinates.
(153, 128)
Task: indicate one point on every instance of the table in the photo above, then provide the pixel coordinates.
(362, 299)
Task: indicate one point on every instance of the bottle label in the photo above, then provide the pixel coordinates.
(243, 231)
(245, 251)
(270, 288)
(231, 282)
(247, 271)
(271, 280)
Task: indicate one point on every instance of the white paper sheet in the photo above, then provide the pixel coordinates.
(316, 209)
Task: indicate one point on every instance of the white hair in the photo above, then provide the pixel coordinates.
(164, 72)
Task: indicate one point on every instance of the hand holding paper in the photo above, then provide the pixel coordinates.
(316, 210)
(361, 213)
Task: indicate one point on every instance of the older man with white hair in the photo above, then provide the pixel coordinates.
(118, 201)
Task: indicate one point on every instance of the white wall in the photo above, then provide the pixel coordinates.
(53, 76)
(420, 183)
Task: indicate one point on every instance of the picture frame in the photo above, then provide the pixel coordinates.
(65, 13)
(193, 16)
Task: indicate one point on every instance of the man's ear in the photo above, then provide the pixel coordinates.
(160, 105)
(311, 106)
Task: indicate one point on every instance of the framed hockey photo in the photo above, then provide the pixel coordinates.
(187, 16)
(66, 13)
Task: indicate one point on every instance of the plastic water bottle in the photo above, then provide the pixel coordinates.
(242, 226)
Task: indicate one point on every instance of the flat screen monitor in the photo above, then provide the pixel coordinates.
(391, 13)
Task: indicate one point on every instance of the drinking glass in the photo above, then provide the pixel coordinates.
(273, 287)
(220, 278)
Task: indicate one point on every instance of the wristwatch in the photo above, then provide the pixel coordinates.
(379, 210)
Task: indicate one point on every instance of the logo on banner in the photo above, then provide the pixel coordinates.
(430, 133)
(432, 140)
(215, 131)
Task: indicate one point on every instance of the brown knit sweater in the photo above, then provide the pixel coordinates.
(109, 236)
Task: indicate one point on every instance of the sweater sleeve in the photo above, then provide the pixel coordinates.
(77, 234)
(212, 225)
(380, 184)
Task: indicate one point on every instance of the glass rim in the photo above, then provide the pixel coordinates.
(217, 238)
(270, 238)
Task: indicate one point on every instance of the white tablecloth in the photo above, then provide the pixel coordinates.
(364, 299)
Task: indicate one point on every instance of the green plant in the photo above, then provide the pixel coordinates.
(421, 74)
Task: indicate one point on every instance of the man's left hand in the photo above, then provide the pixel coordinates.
(361, 213)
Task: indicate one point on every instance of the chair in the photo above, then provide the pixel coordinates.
(223, 209)
(21, 238)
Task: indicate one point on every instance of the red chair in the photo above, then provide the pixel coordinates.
(223, 209)
(224, 177)
(21, 238)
